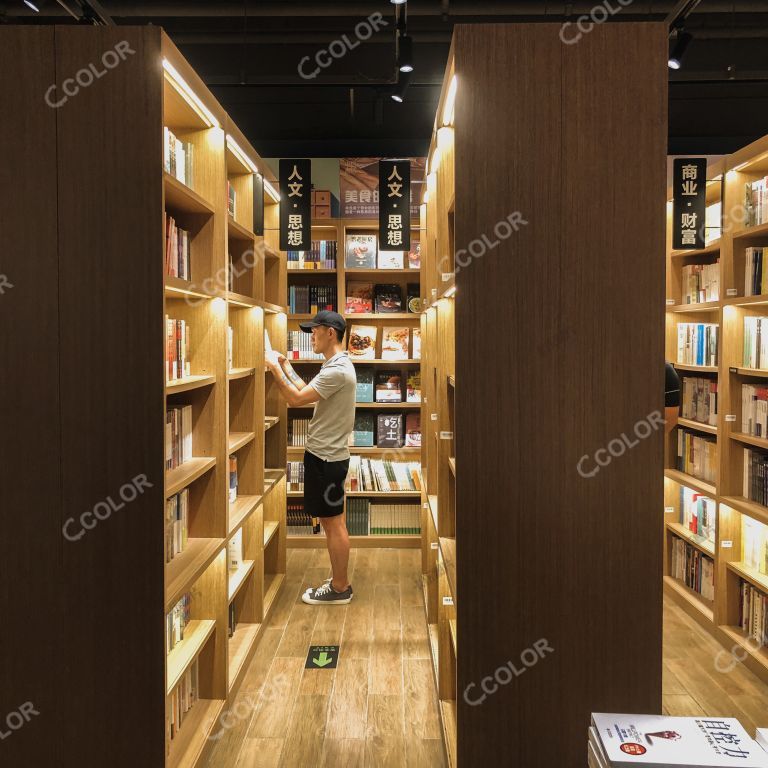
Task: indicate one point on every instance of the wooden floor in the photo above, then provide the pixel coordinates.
(378, 708)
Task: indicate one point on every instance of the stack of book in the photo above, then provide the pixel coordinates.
(697, 455)
(753, 614)
(693, 568)
(298, 428)
(659, 741)
(176, 524)
(701, 282)
(322, 255)
(697, 343)
(178, 436)
(754, 410)
(382, 475)
(177, 362)
(300, 347)
(177, 262)
(755, 342)
(699, 399)
(310, 299)
(756, 476)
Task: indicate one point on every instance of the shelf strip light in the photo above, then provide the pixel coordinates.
(240, 155)
(450, 101)
(180, 84)
(271, 191)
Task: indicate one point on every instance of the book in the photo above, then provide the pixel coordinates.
(310, 299)
(362, 432)
(416, 337)
(176, 622)
(231, 199)
(176, 524)
(755, 476)
(177, 345)
(390, 260)
(753, 613)
(755, 271)
(697, 514)
(232, 478)
(413, 387)
(697, 343)
(235, 550)
(697, 454)
(178, 435)
(754, 545)
(387, 297)
(360, 252)
(413, 430)
(177, 157)
(299, 347)
(389, 430)
(321, 255)
(660, 741)
(382, 475)
(394, 343)
(414, 255)
(701, 282)
(690, 566)
(699, 399)
(362, 342)
(755, 342)
(298, 429)
(364, 391)
(177, 250)
(414, 304)
(359, 298)
(389, 387)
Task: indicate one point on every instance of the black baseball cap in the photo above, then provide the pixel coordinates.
(325, 318)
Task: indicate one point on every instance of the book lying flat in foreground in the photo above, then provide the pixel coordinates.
(658, 741)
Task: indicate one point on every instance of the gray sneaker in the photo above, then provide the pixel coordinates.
(325, 594)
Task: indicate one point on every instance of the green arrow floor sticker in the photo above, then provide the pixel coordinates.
(322, 657)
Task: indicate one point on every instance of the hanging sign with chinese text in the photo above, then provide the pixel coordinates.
(689, 208)
(258, 204)
(295, 205)
(394, 205)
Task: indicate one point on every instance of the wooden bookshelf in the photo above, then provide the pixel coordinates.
(339, 277)
(726, 185)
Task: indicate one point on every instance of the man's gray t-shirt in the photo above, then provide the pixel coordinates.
(334, 416)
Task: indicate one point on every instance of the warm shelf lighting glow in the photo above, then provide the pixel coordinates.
(178, 82)
(426, 196)
(240, 155)
(450, 102)
(271, 191)
(450, 292)
(434, 161)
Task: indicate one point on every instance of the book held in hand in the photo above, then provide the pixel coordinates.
(362, 342)
(360, 252)
(394, 343)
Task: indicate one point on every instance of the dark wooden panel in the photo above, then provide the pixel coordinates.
(31, 544)
(569, 359)
(111, 294)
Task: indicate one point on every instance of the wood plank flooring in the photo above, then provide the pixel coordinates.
(378, 708)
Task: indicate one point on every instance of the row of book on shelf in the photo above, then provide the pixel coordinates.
(177, 157)
(387, 386)
(364, 518)
(698, 513)
(755, 473)
(397, 343)
(697, 454)
(176, 622)
(697, 343)
(698, 400)
(178, 435)
(177, 251)
(701, 282)
(380, 298)
(183, 697)
(383, 430)
(366, 475)
(755, 271)
(755, 342)
(753, 613)
(177, 343)
(756, 202)
(692, 567)
(362, 252)
(310, 299)
(321, 255)
(176, 524)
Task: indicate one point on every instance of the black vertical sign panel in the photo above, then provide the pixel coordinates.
(258, 204)
(689, 202)
(394, 205)
(295, 205)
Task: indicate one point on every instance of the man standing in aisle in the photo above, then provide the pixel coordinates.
(326, 458)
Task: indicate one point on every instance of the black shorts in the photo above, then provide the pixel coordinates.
(324, 486)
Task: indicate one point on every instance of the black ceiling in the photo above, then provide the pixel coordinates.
(248, 52)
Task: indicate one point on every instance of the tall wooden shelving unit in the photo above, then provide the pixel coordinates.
(532, 343)
(106, 296)
(337, 229)
(726, 183)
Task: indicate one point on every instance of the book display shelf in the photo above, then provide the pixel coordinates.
(324, 279)
(716, 512)
(156, 256)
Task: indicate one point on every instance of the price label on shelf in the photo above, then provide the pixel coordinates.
(668, 510)
(731, 292)
(446, 276)
(425, 505)
(446, 435)
(433, 545)
(433, 416)
(447, 600)
(730, 417)
(670, 302)
(726, 544)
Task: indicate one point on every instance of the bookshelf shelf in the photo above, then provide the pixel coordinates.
(238, 231)
(758, 442)
(366, 450)
(452, 465)
(690, 482)
(394, 541)
(416, 273)
(712, 248)
(270, 529)
(745, 301)
(196, 635)
(376, 361)
(188, 383)
(432, 504)
(758, 654)
(186, 474)
(180, 197)
(237, 578)
(185, 569)
(448, 712)
(697, 541)
(755, 578)
(292, 272)
(692, 599)
(704, 306)
(240, 373)
(272, 584)
(241, 510)
(384, 316)
(367, 494)
(452, 626)
(239, 649)
(388, 407)
(701, 368)
(187, 748)
(176, 287)
(448, 552)
(756, 372)
(271, 421)
(746, 507)
(241, 300)
(759, 230)
(700, 426)
(238, 440)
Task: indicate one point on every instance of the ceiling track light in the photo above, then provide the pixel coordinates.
(403, 80)
(32, 6)
(405, 53)
(682, 42)
(398, 2)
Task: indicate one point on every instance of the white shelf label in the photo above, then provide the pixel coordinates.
(434, 292)
(447, 600)
(446, 435)
(425, 505)
(446, 276)
(730, 417)
(667, 510)
(731, 292)
(433, 416)
(670, 302)
(726, 544)
(433, 545)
